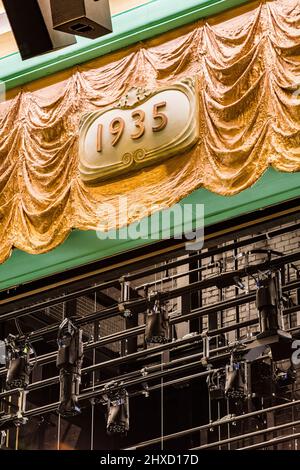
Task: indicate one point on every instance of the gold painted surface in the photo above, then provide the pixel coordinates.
(248, 68)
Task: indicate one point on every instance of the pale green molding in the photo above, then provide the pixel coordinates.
(84, 247)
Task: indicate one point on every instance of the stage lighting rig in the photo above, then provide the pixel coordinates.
(268, 303)
(117, 401)
(262, 378)
(18, 353)
(157, 322)
(69, 361)
(235, 378)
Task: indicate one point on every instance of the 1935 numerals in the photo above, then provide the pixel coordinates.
(118, 125)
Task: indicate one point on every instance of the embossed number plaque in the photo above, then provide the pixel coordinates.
(144, 128)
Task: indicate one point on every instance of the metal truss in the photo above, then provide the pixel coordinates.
(173, 371)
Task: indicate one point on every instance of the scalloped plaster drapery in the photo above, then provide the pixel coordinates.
(248, 67)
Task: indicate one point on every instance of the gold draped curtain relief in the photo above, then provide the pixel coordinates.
(248, 66)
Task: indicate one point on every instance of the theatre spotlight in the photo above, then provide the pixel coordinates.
(18, 362)
(216, 384)
(235, 381)
(268, 305)
(261, 379)
(88, 18)
(268, 302)
(157, 323)
(69, 360)
(117, 412)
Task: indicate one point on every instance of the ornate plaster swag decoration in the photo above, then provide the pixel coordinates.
(248, 70)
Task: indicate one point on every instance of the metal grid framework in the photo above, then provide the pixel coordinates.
(206, 306)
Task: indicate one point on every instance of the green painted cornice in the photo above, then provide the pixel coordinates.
(84, 247)
(140, 23)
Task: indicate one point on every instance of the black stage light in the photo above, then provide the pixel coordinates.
(18, 373)
(18, 363)
(117, 412)
(261, 379)
(87, 18)
(216, 384)
(281, 346)
(157, 323)
(69, 360)
(268, 305)
(31, 23)
(235, 381)
(268, 302)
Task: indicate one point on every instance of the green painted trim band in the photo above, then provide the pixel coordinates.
(84, 247)
(140, 23)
